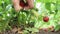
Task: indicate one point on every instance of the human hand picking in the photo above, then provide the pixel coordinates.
(23, 4)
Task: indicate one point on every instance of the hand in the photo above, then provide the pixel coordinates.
(30, 4)
(18, 5)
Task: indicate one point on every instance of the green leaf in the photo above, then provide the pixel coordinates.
(57, 27)
(48, 6)
(38, 0)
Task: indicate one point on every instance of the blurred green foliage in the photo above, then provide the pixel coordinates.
(30, 17)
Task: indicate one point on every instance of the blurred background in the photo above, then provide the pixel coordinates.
(44, 18)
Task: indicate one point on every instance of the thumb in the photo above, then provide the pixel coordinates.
(16, 5)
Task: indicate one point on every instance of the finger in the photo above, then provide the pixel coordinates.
(16, 5)
(26, 7)
(30, 3)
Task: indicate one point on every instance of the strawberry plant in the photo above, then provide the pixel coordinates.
(44, 15)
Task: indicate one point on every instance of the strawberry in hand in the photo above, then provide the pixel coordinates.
(20, 4)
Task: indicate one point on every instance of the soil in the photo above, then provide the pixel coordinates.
(40, 32)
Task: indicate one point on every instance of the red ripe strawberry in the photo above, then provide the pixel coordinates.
(46, 19)
(22, 4)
